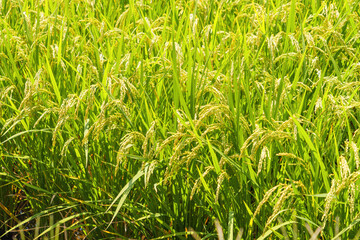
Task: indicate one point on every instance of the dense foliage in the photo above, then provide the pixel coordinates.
(157, 119)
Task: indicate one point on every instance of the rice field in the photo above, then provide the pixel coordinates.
(187, 119)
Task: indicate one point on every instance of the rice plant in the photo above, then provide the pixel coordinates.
(228, 119)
